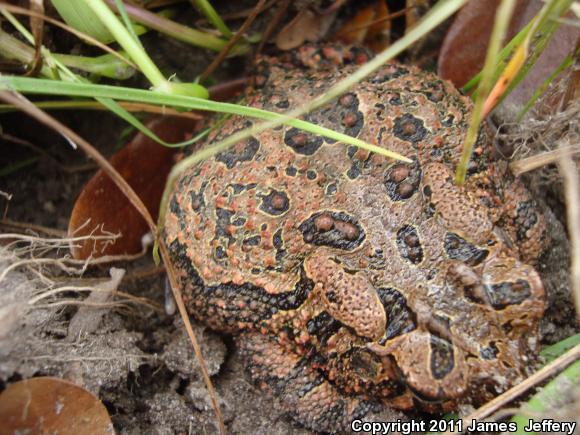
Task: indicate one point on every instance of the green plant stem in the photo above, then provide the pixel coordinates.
(502, 18)
(14, 49)
(119, 5)
(179, 31)
(213, 17)
(18, 26)
(105, 65)
(129, 44)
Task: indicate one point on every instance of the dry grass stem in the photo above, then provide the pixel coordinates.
(569, 172)
(527, 164)
(32, 227)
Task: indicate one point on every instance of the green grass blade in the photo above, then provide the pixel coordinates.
(213, 17)
(127, 116)
(549, 396)
(49, 87)
(552, 352)
(548, 21)
(502, 59)
(16, 166)
(76, 14)
(127, 22)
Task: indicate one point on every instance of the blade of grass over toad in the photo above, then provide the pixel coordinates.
(436, 15)
(49, 87)
(502, 18)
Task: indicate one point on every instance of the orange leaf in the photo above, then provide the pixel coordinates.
(49, 405)
(507, 76)
(102, 209)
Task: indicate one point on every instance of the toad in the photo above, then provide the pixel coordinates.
(352, 281)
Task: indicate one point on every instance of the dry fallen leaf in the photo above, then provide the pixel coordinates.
(354, 31)
(305, 26)
(371, 26)
(47, 405)
(102, 209)
(463, 51)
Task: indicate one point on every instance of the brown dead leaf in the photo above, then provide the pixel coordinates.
(371, 26)
(355, 30)
(463, 51)
(379, 34)
(305, 26)
(101, 208)
(47, 405)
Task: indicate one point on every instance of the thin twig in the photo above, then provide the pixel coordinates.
(282, 7)
(233, 40)
(32, 227)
